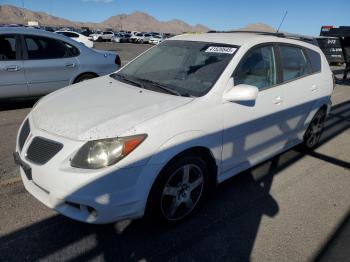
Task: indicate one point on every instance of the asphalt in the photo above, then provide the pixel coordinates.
(294, 207)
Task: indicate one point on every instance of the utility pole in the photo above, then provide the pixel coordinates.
(24, 14)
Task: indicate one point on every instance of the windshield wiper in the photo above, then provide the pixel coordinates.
(126, 79)
(160, 86)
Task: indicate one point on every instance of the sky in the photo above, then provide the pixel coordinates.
(304, 16)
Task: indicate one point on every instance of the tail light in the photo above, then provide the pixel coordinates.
(117, 60)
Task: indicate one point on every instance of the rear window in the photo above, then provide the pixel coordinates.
(315, 60)
(294, 63)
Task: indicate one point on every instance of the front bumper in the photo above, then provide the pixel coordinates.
(92, 196)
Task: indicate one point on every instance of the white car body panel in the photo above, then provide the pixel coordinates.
(237, 135)
(79, 38)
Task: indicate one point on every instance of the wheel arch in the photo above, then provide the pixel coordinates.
(208, 157)
(84, 73)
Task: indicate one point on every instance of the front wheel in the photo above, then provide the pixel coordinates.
(314, 131)
(179, 190)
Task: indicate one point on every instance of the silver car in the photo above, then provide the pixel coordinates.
(35, 62)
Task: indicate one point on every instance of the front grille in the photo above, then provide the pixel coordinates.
(41, 150)
(23, 134)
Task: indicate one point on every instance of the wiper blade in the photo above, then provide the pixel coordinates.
(161, 86)
(126, 79)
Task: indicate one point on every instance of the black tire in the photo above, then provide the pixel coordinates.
(315, 129)
(84, 77)
(99, 39)
(162, 199)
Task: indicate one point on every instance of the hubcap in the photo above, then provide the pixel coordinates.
(182, 192)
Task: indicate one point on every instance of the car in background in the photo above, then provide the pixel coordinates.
(121, 38)
(77, 37)
(102, 36)
(164, 130)
(36, 62)
(157, 39)
(140, 38)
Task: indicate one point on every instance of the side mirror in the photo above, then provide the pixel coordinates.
(242, 93)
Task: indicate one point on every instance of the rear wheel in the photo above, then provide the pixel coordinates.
(314, 131)
(84, 77)
(179, 190)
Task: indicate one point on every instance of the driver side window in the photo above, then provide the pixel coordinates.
(257, 68)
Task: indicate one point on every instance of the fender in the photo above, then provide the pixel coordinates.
(186, 140)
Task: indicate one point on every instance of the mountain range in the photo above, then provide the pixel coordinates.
(137, 21)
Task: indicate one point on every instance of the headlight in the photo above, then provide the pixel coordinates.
(102, 153)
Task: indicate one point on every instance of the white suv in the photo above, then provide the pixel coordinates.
(103, 36)
(155, 136)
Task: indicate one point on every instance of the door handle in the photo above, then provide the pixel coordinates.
(278, 100)
(70, 65)
(314, 87)
(12, 68)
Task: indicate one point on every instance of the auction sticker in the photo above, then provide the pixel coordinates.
(221, 49)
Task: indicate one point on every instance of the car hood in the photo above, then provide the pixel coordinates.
(100, 108)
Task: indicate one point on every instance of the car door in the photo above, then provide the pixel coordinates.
(252, 130)
(49, 63)
(12, 79)
(301, 86)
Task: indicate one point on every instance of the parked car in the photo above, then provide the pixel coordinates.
(103, 36)
(140, 38)
(155, 40)
(121, 38)
(36, 62)
(184, 116)
(77, 37)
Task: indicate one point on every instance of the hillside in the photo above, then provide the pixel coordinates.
(136, 21)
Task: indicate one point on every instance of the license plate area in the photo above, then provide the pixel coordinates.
(26, 168)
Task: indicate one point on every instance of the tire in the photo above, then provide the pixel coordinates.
(178, 191)
(84, 77)
(99, 39)
(141, 41)
(315, 129)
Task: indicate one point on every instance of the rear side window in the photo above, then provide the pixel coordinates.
(257, 68)
(315, 60)
(39, 47)
(7, 47)
(294, 63)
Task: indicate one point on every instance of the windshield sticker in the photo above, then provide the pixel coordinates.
(221, 49)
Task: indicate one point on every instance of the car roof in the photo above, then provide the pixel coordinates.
(33, 31)
(240, 38)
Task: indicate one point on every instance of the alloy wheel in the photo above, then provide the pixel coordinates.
(182, 192)
(314, 131)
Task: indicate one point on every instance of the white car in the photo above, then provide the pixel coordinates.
(77, 37)
(103, 36)
(154, 137)
(155, 40)
(141, 38)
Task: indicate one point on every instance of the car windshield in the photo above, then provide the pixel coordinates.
(139, 34)
(185, 68)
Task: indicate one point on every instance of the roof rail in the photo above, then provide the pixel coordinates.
(307, 39)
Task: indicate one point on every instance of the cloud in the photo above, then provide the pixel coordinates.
(99, 1)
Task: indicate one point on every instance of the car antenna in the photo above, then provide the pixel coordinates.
(285, 14)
